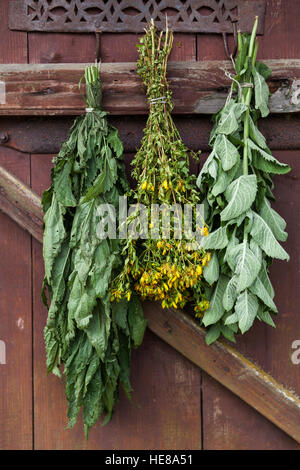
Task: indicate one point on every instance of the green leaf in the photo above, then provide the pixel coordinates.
(136, 320)
(115, 142)
(98, 329)
(224, 179)
(231, 319)
(228, 333)
(240, 195)
(256, 135)
(246, 265)
(211, 271)
(54, 234)
(263, 69)
(216, 309)
(97, 188)
(120, 311)
(81, 303)
(274, 220)
(63, 186)
(263, 276)
(230, 294)
(215, 240)
(227, 153)
(246, 308)
(265, 238)
(267, 163)
(264, 316)
(212, 334)
(230, 116)
(261, 91)
(261, 292)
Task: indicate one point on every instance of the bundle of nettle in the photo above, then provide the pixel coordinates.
(236, 184)
(165, 265)
(85, 332)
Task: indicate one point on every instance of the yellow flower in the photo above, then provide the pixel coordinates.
(128, 296)
(199, 270)
(144, 185)
(165, 185)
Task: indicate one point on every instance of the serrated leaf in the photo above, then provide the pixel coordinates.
(240, 195)
(215, 240)
(228, 333)
(246, 265)
(267, 163)
(98, 329)
(224, 179)
(205, 167)
(230, 116)
(115, 142)
(231, 319)
(213, 169)
(216, 309)
(211, 271)
(137, 322)
(261, 292)
(274, 220)
(54, 234)
(265, 316)
(212, 334)
(256, 135)
(230, 294)
(246, 308)
(63, 186)
(263, 276)
(261, 91)
(226, 151)
(264, 237)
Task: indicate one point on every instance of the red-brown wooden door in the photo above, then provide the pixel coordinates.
(176, 405)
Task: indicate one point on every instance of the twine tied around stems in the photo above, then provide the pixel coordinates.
(240, 85)
(161, 99)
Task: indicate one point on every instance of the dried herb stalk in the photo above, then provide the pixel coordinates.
(91, 337)
(236, 181)
(162, 267)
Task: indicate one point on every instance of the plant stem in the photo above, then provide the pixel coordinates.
(251, 55)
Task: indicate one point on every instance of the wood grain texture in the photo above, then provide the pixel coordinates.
(44, 135)
(228, 367)
(198, 88)
(15, 321)
(21, 204)
(236, 426)
(279, 41)
(166, 385)
(270, 348)
(13, 44)
(46, 48)
(241, 376)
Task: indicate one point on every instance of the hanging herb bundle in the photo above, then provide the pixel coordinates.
(91, 337)
(237, 183)
(161, 267)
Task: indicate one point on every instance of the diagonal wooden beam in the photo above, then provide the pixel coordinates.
(221, 361)
(21, 204)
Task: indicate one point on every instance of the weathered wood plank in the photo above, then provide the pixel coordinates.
(221, 361)
(15, 322)
(41, 135)
(21, 204)
(198, 88)
(227, 366)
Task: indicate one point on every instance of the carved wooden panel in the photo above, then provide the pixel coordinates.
(206, 16)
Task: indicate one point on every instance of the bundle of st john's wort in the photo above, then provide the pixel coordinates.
(165, 265)
(85, 332)
(237, 188)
